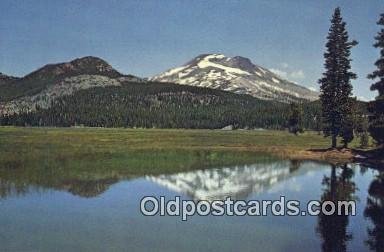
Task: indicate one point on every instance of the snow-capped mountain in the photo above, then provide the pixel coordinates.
(238, 75)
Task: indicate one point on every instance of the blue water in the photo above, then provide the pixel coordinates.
(52, 219)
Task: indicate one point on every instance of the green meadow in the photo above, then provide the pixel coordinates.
(144, 150)
(137, 147)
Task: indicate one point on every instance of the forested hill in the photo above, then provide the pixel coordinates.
(52, 75)
(161, 105)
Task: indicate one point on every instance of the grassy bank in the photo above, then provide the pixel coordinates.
(100, 141)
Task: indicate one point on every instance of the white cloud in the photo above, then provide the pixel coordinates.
(284, 65)
(294, 75)
(298, 75)
(280, 73)
(312, 88)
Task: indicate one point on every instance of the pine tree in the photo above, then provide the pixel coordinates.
(361, 125)
(349, 109)
(335, 86)
(295, 121)
(376, 128)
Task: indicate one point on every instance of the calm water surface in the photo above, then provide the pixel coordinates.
(102, 214)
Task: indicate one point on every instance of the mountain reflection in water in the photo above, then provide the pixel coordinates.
(237, 182)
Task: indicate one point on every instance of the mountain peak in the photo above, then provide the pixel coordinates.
(242, 63)
(213, 55)
(235, 74)
(85, 65)
(200, 57)
(89, 60)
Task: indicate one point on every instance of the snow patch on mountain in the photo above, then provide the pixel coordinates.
(205, 62)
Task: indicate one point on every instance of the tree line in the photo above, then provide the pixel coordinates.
(162, 105)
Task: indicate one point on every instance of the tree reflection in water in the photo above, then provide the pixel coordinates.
(374, 210)
(333, 228)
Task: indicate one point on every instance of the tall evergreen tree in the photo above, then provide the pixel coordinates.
(335, 85)
(376, 107)
(295, 121)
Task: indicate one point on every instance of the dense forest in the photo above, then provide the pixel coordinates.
(163, 105)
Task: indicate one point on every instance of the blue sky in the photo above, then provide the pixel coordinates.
(146, 37)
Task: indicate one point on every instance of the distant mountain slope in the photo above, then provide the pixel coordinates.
(53, 74)
(41, 87)
(5, 79)
(238, 75)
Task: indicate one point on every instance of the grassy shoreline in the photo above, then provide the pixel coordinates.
(86, 161)
(91, 141)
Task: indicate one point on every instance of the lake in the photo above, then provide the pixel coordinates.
(50, 207)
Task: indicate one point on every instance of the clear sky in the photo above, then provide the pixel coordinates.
(146, 37)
